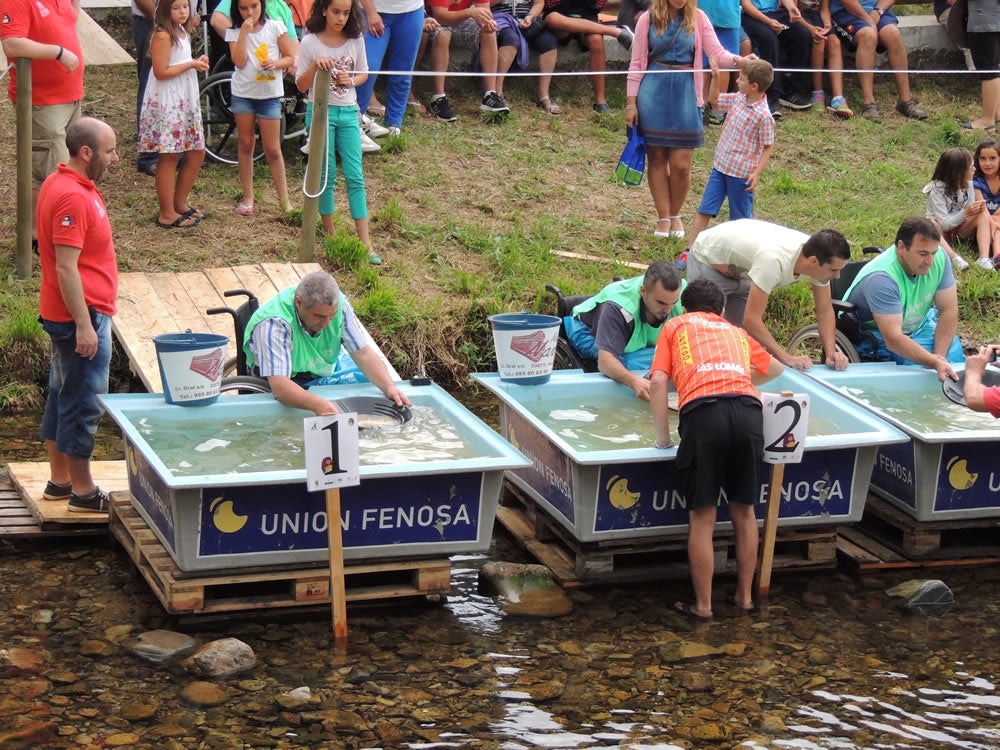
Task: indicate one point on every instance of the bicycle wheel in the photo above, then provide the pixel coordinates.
(221, 138)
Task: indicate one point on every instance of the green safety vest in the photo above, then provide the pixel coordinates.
(625, 294)
(917, 295)
(312, 354)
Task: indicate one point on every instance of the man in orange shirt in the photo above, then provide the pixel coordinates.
(714, 366)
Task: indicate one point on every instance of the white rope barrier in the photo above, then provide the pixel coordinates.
(659, 71)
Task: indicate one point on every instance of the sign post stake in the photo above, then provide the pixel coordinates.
(786, 422)
(338, 592)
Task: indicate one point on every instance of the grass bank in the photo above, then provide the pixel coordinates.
(467, 215)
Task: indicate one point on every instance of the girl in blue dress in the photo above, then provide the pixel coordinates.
(987, 184)
(670, 39)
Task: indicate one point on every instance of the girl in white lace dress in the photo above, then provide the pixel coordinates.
(170, 123)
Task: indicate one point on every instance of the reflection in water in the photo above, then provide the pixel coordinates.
(925, 410)
(193, 447)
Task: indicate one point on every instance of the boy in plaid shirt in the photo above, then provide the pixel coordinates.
(743, 149)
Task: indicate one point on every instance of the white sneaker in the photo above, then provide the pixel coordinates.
(395, 132)
(958, 263)
(371, 128)
(985, 263)
(368, 146)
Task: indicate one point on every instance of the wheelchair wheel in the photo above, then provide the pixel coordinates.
(566, 357)
(243, 384)
(807, 341)
(221, 138)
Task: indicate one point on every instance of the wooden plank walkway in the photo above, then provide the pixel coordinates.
(29, 480)
(153, 303)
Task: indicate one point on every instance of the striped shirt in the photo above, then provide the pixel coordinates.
(747, 130)
(271, 342)
(707, 356)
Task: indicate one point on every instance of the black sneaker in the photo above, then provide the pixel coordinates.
(442, 110)
(493, 102)
(625, 37)
(776, 113)
(796, 100)
(95, 502)
(58, 492)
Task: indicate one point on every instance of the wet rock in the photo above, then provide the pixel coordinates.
(389, 733)
(522, 589)
(122, 739)
(42, 617)
(138, 710)
(96, 648)
(773, 723)
(546, 691)
(29, 736)
(927, 598)
(336, 719)
(710, 732)
(227, 657)
(159, 646)
(63, 678)
(118, 633)
(300, 696)
(21, 659)
(697, 682)
(252, 686)
(819, 656)
(688, 651)
(203, 693)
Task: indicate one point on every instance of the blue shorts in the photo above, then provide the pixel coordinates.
(265, 109)
(728, 38)
(721, 186)
(72, 411)
(848, 25)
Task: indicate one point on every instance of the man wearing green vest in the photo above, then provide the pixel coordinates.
(295, 339)
(896, 295)
(619, 325)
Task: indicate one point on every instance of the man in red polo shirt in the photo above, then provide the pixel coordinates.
(78, 297)
(44, 31)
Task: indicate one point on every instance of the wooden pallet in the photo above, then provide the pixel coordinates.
(269, 588)
(888, 538)
(23, 512)
(575, 563)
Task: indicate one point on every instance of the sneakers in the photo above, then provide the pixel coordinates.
(681, 261)
(57, 492)
(715, 117)
(911, 109)
(818, 101)
(304, 148)
(493, 102)
(368, 146)
(442, 110)
(958, 263)
(795, 100)
(870, 112)
(371, 128)
(776, 113)
(985, 263)
(839, 108)
(395, 132)
(95, 502)
(625, 37)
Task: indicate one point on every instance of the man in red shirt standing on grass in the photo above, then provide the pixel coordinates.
(79, 295)
(44, 31)
(714, 366)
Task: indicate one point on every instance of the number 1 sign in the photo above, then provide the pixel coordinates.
(331, 448)
(786, 422)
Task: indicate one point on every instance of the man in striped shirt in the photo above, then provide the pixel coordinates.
(714, 366)
(295, 338)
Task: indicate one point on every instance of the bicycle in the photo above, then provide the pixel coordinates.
(221, 138)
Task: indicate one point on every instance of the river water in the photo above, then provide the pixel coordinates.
(830, 662)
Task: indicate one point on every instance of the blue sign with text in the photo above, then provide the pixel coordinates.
(967, 478)
(895, 473)
(551, 471)
(151, 493)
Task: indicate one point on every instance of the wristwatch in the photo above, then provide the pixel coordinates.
(879, 10)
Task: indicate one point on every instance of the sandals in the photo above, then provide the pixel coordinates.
(737, 609)
(685, 609)
(244, 209)
(378, 110)
(657, 232)
(549, 105)
(196, 213)
(181, 222)
(416, 105)
(678, 233)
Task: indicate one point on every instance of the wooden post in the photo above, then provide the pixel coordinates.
(338, 593)
(315, 166)
(770, 531)
(22, 252)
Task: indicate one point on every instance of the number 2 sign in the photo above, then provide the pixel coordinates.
(331, 452)
(786, 421)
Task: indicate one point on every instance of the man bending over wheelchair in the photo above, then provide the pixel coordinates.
(907, 300)
(619, 325)
(294, 341)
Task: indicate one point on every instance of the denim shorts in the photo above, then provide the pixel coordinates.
(72, 411)
(265, 109)
(721, 186)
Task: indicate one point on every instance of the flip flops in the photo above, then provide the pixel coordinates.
(179, 222)
(737, 610)
(685, 609)
(192, 211)
(244, 209)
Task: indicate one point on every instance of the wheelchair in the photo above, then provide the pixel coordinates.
(567, 358)
(848, 333)
(236, 377)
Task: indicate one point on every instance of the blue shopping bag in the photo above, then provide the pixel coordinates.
(632, 163)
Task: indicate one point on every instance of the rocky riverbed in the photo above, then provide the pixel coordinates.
(832, 662)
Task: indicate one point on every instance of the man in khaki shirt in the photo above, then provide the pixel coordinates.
(749, 259)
